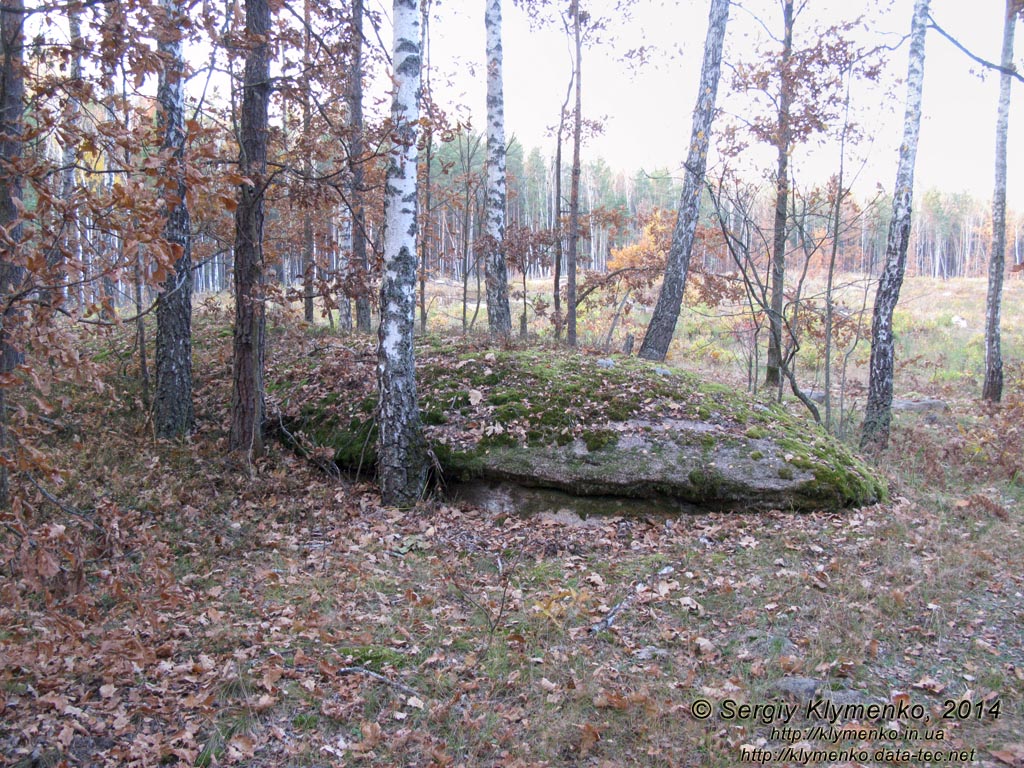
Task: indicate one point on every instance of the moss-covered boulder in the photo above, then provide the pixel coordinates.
(584, 425)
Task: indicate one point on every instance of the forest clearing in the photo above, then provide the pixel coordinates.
(336, 431)
(179, 607)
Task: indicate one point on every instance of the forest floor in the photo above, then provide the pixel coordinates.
(182, 607)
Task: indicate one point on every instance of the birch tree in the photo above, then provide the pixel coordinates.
(878, 412)
(250, 320)
(666, 312)
(499, 317)
(173, 413)
(993, 387)
(402, 451)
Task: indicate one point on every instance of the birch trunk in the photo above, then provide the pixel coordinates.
(993, 387)
(173, 413)
(666, 312)
(499, 317)
(773, 367)
(878, 412)
(250, 318)
(402, 450)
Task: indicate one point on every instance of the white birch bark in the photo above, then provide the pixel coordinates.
(993, 387)
(402, 453)
(666, 312)
(878, 412)
(499, 317)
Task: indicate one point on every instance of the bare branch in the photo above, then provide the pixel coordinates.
(984, 62)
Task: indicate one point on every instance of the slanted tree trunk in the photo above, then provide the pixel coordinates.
(878, 412)
(250, 319)
(354, 99)
(173, 414)
(666, 312)
(402, 450)
(993, 387)
(574, 186)
(499, 316)
(12, 98)
(773, 368)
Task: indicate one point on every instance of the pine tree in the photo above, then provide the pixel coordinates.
(173, 413)
(247, 406)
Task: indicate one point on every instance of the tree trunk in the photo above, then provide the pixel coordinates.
(666, 312)
(12, 102)
(556, 223)
(428, 163)
(773, 372)
(308, 262)
(173, 414)
(993, 387)
(71, 245)
(250, 318)
(499, 316)
(354, 97)
(402, 452)
(574, 188)
(878, 412)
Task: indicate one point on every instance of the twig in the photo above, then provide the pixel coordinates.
(1012, 72)
(377, 676)
(609, 618)
(58, 503)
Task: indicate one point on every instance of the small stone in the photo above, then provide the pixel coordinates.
(797, 689)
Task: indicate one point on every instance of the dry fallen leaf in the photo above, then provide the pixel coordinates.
(589, 736)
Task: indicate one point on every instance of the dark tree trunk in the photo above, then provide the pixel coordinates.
(773, 372)
(993, 387)
(402, 450)
(12, 98)
(428, 161)
(173, 414)
(574, 188)
(354, 97)
(666, 313)
(308, 264)
(247, 393)
(878, 411)
(499, 316)
(556, 225)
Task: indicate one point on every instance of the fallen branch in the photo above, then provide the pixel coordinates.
(67, 509)
(609, 618)
(377, 676)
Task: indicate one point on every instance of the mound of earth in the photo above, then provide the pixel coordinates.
(583, 425)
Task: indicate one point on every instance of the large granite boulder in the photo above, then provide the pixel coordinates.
(587, 426)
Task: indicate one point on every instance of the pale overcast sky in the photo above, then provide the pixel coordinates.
(649, 111)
